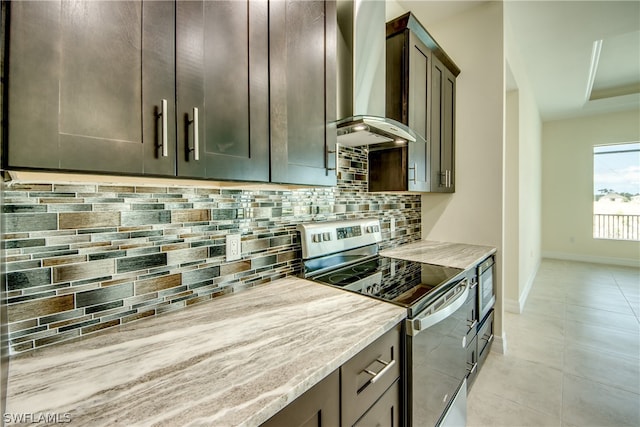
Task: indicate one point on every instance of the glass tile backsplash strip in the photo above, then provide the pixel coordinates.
(83, 258)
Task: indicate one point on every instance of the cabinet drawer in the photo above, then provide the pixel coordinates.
(368, 374)
(485, 337)
(318, 406)
(471, 310)
(385, 412)
(472, 362)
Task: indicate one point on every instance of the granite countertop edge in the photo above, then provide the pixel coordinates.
(448, 254)
(247, 355)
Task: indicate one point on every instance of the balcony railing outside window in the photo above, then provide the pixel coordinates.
(616, 227)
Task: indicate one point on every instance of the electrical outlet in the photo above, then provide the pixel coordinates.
(234, 247)
(392, 225)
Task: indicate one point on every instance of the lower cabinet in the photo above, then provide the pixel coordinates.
(478, 349)
(318, 406)
(365, 391)
(386, 411)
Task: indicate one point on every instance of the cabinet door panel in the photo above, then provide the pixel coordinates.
(437, 94)
(33, 85)
(100, 123)
(318, 407)
(158, 83)
(385, 412)
(419, 113)
(302, 78)
(76, 87)
(100, 69)
(222, 51)
(189, 85)
(447, 154)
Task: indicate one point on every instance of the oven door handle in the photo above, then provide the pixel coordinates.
(420, 323)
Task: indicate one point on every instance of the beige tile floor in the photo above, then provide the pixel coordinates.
(573, 355)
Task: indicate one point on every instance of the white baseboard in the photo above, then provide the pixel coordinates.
(517, 307)
(626, 262)
(499, 344)
(512, 306)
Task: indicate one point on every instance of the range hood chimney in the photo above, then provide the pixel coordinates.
(361, 77)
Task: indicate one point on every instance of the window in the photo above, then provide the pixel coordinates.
(616, 188)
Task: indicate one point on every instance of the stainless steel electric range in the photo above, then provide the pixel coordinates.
(440, 311)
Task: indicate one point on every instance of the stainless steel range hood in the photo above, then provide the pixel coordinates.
(361, 77)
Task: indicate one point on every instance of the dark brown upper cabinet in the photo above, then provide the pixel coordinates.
(222, 75)
(420, 92)
(443, 129)
(174, 89)
(303, 91)
(87, 82)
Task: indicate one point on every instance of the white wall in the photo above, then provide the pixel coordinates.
(567, 187)
(523, 168)
(511, 247)
(473, 214)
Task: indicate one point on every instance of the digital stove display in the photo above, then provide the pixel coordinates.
(346, 232)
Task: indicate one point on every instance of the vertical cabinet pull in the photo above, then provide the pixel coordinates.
(327, 152)
(415, 173)
(447, 178)
(196, 135)
(163, 114)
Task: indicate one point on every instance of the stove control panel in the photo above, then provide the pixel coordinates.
(323, 238)
(347, 232)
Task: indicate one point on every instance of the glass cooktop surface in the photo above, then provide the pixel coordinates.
(405, 283)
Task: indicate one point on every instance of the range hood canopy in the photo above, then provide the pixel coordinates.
(368, 130)
(361, 77)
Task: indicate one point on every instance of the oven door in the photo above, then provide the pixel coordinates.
(436, 360)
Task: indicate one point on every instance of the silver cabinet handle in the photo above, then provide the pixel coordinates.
(327, 152)
(474, 366)
(196, 140)
(196, 133)
(488, 340)
(377, 375)
(415, 172)
(163, 113)
(473, 324)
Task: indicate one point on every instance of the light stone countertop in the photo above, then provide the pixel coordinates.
(236, 360)
(459, 255)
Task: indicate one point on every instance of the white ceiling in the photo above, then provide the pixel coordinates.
(555, 40)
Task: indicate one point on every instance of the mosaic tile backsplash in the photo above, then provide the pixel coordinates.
(81, 258)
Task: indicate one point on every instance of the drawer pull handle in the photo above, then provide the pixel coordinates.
(488, 340)
(378, 375)
(473, 324)
(474, 366)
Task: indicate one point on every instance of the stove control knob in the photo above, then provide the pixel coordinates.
(317, 238)
(326, 236)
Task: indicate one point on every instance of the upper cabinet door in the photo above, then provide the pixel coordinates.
(408, 68)
(303, 91)
(77, 99)
(223, 89)
(442, 129)
(419, 113)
